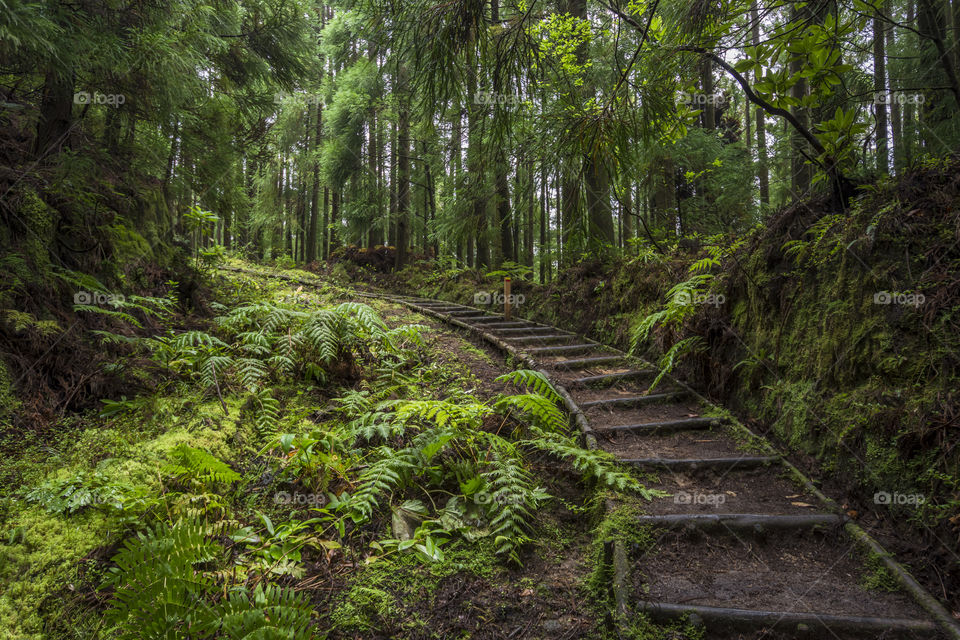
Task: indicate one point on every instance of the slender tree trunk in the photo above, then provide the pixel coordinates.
(544, 247)
(896, 125)
(325, 230)
(531, 212)
(391, 223)
(503, 212)
(475, 168)
(627, 216)
(763, 170)
(403, 172)
(311, 253)
(909, 113)
(880, 93)
(800, 171)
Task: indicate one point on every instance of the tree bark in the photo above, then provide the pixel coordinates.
(880, 94)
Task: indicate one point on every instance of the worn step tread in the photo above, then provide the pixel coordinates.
(532, 329)
(633, 401)
(744, 521)
(686, 424)
(554, 336)
(612, 378)
(562, 349)
(742, 462)
(804, 623)
(584, 362)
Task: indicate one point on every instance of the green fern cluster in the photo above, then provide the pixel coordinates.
(199, 466)
(163, 588)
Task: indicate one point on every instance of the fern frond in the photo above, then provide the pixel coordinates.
(540, 409)
(196, 464)
(534, 380)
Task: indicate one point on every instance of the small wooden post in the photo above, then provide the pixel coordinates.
(506, 299)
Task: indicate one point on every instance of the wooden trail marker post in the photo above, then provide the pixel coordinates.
(506, 299)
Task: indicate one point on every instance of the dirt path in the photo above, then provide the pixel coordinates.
(741, 543)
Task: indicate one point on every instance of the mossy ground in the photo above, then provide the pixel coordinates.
(52, 564)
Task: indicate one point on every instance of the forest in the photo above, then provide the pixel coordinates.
(479, 319)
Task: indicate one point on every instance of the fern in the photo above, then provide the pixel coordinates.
(380, 478)
(693, 344)
(513, 499)
(533, 380)
(269, 613)
(541, 409)
(158, 589)
(443, 412)
(162, 592)
(187, 463)
(267, 417)
(591, 463)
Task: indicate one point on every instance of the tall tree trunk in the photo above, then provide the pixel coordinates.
(475, 167)
(763, 170)
(801, 174)
(503, 211)
(531, 212)
(392, 221)
(403, 171)
(909, 112)
(56, 113)
(325, 229)
(311, 253)
(544, 248)
(627, 216)
(895, 118)
(880, 91)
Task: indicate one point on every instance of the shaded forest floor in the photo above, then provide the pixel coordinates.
(84, 483)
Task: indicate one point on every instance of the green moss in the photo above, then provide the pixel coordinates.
(385, 594)
(876, 576)
(39, 557)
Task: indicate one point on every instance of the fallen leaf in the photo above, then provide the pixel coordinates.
(801, 504)
(526, 592)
